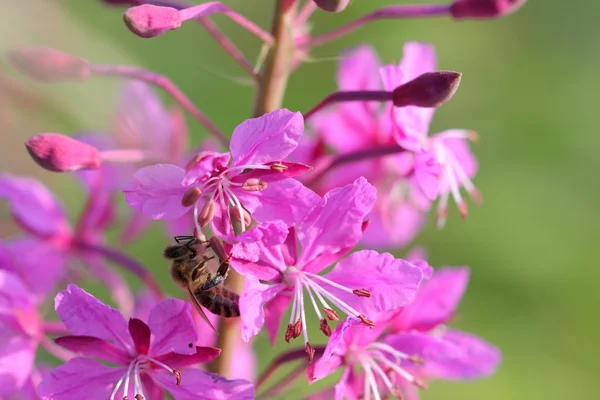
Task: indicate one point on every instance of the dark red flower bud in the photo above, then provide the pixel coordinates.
(60, 153)
(332, 5)
(431, 89)
(484, 9)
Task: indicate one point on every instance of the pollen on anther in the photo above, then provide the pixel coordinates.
(279, 167)
(177, 376)
(362, 292)
(331, 314)
(310, 351)
(416, 359)
(325, 328)
(289, 332)
(366, 321)
(297, 328)
(139, 397)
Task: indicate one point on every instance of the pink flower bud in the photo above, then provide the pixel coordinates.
(49, 65)
(60, 153)
(431, 89)
(332, 5)
(484, 9)
(148, 21)
(190, 197)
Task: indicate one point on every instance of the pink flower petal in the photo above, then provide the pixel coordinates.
(173, 328)
(436, 301)
(41, 264)
(392, 282)
(336, 223)
(92, 347)
(273, 314)
(246, 364)
(287, 200)
(202, 355)
(427, 174)
(271, 137)
(84, 315)
(17, 354)
(336, 349)
(14, 293)
(34, 206)
(140, 333)
(157, 191)
(252, 301)
(200, 385)
(80, 378)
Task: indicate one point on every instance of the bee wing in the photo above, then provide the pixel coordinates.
(199, 308)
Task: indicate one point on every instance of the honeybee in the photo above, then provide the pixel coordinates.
(189, 269)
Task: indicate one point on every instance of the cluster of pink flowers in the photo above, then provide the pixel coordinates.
(289, 195)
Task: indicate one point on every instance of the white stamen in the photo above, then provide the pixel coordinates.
(381, 374)
(117, 386)
(336, 285)
(171, 370)
(442, 210)
(460, 172)
(294, 308)
(248, 166)
(397, 369)
(127, 378)
(303, 314)
(137, 384)
(339, 303)
(372, 382)
(314, 303)
(398, 355)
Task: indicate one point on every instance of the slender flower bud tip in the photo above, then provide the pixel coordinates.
(148, 21)
(332, 5)
(49, 65)
(484, 9)
(190, 197)
(431, 89)
(60, 153)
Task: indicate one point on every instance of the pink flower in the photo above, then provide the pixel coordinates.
(52, 243)
(443, 163)
(291, 259)
(398, 214)
(249, 182)
(409, 347)
(154, 356)
(20, 329)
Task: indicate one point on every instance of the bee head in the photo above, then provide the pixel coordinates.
(176, 251)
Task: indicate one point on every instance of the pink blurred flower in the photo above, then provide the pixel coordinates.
(410, 346)
(290, 259)
(154, 356)
(255, 183)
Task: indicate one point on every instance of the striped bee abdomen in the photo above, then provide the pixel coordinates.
(220, 301)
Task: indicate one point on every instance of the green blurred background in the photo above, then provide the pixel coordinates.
(530, 90)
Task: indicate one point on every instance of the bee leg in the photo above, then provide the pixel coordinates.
(224, 268)
(179, 239)
(212, 282)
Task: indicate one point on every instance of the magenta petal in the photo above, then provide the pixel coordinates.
(392, 282)
(336, 348)
(436, 301)
(14, 294)
(157, 191)
(246, 363)
(336, 223)
(66, 382)
(267, 175)
(273, 314)
(84, 315)
(140, 333)
(474, 359)
(200, 385)
(202, 355)
(173, 328)
(34, 206)
(427, 174)
(271, 137)
(252, 301)
(287, 200)
(17, 354)
(41, 264)
(92, 347)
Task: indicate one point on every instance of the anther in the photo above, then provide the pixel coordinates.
(331, 314)
(420, 384)
(297, 328)
(235, 213)
(254, 185)
(324, 326)
(177, 376)
(190, 197)
(125, 397)
(462, 207)
(139, 397)
(310, 351)
(366, 321)
(476, 196)
(207, 213)
(289, 332)
(416, 359)
(279, 167)
(362, 292)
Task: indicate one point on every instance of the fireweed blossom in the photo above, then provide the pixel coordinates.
(443, 163)
(291, 259)
(151, 357)
(399, 213)
(411, 346)
(249, 182)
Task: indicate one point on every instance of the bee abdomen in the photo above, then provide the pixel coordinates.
(220, 301)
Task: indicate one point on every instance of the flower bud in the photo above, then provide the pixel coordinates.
(431, 89)
(60, 153)
(332, 5)
(148, 21)
(484, 9)
(49, 65)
